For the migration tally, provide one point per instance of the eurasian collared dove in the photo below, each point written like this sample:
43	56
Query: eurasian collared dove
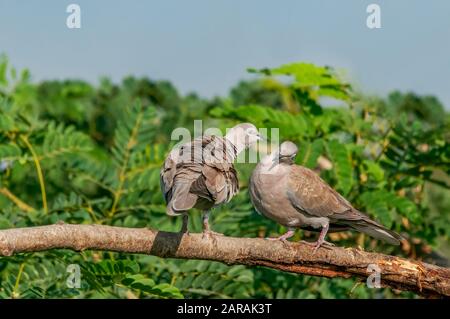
200	174
296	197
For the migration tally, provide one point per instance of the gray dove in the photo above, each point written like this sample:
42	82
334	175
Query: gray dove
296	197
200	174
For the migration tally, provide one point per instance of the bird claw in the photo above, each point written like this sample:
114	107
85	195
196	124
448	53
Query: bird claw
273	238
211	234
316	247
283	240
328	244
325	244
285	243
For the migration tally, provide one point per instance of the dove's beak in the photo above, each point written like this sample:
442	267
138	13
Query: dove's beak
262	138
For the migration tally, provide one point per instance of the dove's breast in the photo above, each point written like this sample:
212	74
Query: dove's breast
268	195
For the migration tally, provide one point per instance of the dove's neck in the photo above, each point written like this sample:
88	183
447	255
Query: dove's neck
271	165
267	161
267	166
237	140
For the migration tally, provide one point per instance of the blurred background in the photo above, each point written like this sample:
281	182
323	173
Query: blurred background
86	117
205	46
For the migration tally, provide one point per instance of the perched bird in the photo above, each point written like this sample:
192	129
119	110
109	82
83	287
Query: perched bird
200	174
296	197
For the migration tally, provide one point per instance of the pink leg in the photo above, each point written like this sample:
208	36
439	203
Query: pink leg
285	236
206	229
321	240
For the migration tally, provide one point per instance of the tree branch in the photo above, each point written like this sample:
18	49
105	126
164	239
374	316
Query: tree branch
398	273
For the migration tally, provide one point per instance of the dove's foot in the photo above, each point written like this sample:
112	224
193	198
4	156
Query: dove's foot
186	232
317	244
324	244
207	233
276	238
321	242
284	241
283	238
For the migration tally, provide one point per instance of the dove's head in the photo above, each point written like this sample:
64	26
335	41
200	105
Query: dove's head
243	136
285	154
288	150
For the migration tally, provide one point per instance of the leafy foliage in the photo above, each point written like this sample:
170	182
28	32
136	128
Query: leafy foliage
78	153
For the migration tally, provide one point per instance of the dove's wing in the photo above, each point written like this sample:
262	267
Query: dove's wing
311	195
201	168
218	181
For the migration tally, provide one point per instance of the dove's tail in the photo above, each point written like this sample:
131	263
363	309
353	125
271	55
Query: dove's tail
181	200
375	230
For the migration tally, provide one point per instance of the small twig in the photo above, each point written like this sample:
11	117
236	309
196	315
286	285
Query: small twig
122	173
19	203
38	170
15	293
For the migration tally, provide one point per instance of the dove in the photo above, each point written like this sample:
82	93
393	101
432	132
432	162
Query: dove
200	174
296	197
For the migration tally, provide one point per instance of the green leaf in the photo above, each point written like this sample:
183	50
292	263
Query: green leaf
290	125
306	75
341	158
310	152
377	204
374	169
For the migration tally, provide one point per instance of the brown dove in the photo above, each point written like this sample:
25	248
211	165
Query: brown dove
200	174
296	197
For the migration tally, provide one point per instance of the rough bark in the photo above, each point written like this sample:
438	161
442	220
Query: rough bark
398	273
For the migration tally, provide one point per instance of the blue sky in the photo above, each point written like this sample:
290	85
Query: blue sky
206	46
